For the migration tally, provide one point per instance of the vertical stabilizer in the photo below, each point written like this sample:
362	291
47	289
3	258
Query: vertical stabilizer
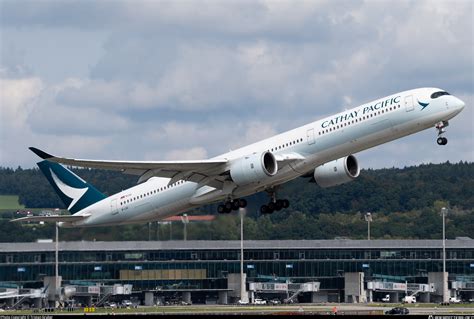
75	192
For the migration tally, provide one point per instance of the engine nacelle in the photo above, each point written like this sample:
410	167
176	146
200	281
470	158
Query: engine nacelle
253	168
337	172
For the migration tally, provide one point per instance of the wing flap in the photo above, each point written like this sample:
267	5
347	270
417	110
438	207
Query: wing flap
63	218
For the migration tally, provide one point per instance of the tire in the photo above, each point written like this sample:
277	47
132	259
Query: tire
221	209
264	209
440	140
235	205
445	141
242	203
271	206
228	206
278	205
286	203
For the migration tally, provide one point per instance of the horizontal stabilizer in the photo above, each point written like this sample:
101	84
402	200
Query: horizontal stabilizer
52	219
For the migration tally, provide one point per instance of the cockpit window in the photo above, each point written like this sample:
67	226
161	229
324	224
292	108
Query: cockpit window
438	94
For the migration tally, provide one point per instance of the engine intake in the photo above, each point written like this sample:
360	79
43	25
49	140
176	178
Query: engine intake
337	172
253	168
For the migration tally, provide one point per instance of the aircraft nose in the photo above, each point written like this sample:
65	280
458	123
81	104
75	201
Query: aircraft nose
460	104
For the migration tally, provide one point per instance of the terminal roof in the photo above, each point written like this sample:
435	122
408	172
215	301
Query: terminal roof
459	243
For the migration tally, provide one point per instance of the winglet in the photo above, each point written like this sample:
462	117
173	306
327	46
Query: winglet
40	153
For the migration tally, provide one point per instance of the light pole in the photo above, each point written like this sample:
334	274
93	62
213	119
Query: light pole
56	267
243	296
444	211
185	220
368	219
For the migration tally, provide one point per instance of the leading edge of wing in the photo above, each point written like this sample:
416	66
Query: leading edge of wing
67	218
190	165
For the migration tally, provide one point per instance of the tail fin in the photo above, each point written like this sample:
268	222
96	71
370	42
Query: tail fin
76	193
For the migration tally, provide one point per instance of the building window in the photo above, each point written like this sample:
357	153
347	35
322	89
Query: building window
276	255
301	255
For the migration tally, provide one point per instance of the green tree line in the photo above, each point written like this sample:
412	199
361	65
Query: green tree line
405	203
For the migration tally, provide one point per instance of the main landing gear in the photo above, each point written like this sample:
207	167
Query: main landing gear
274	205
441	127
231	205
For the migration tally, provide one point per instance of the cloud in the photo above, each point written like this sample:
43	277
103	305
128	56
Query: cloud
162	80
186	154
17	98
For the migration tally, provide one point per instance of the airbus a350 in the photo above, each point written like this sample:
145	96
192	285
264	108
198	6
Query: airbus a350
322	150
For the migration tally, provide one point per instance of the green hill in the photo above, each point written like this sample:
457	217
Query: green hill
405	203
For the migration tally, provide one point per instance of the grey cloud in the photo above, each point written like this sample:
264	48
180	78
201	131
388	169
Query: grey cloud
172	76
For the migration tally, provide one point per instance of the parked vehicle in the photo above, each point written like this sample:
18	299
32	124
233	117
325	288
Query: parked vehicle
386	298
258	301
275	301
110	304
126	303
409	299
454	300
397	311
242	302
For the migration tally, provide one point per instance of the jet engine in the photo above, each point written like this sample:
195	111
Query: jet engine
337	172
253	168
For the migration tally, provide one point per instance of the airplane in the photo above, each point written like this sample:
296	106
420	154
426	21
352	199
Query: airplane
322	151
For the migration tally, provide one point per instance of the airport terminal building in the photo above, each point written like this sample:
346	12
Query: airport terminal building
209	271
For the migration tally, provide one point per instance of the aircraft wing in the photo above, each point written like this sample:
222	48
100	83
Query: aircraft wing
200	171
59	218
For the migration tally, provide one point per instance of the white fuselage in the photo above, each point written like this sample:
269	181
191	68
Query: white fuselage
319	142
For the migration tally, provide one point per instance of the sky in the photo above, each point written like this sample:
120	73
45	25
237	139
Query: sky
177	80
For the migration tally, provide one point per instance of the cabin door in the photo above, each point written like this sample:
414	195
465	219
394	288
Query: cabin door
113	207
409	103
310	136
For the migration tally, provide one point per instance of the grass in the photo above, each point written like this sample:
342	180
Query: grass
233	309
10	202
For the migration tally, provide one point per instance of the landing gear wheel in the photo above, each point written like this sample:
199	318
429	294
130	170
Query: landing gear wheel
278	205
264	209
271	206
221	209
235	205
286	203
442	140
228	207
242	203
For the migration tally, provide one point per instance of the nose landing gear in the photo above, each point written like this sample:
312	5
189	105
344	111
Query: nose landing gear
441	127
